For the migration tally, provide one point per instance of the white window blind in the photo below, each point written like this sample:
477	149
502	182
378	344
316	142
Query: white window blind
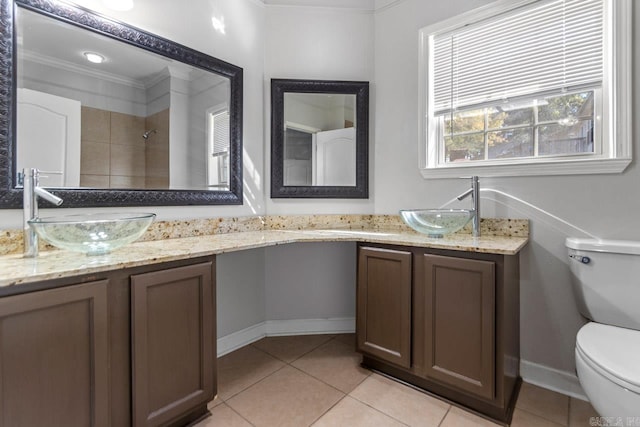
221	132
547	46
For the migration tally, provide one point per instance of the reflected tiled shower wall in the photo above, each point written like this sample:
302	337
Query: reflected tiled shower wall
157	151
114	153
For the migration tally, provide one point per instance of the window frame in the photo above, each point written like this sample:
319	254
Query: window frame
615	123
534	126
210	114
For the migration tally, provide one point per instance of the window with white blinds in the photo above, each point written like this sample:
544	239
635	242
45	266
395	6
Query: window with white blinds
549	46
220	125
218	155
516	85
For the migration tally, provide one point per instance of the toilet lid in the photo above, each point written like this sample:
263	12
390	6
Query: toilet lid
614	351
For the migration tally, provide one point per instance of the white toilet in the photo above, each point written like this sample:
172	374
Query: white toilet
606	282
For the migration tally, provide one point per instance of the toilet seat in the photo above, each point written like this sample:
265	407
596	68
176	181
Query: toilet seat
613	352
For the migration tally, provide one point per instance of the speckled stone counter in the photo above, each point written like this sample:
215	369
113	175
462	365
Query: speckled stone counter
508	238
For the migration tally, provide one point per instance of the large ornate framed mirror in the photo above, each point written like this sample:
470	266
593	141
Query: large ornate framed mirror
319	139
156	123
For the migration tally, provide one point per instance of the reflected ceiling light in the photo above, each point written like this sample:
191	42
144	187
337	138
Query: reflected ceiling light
218	24
96	58
119	5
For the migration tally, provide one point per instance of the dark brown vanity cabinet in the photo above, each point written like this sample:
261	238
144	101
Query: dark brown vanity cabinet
54	367
172	343
129	347
455	315
445	321
384	304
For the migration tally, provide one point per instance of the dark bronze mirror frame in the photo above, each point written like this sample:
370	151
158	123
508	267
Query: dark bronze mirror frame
11	195
361	90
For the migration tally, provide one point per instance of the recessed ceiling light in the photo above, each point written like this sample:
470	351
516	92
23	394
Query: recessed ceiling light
119	5
96	58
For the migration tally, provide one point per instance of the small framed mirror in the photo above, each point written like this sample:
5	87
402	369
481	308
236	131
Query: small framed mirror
319	139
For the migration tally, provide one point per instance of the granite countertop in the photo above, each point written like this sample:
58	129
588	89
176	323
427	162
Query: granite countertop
53	264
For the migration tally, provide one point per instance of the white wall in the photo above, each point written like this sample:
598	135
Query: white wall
602	205
158	95
242	45
240	290
319	44
89	90
206	92
300	42
180	142
310	281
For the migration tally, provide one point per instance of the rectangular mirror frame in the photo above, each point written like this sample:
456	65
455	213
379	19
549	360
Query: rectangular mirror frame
11	194
361	90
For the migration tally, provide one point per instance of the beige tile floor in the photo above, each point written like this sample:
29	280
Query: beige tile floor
316	380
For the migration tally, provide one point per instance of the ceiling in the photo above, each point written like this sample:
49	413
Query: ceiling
347	4
50	41
371	5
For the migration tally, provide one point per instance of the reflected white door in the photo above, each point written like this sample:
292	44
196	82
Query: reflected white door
48	137
335	157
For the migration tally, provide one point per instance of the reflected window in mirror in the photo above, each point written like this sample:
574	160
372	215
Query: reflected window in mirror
218	154
151	123
319	139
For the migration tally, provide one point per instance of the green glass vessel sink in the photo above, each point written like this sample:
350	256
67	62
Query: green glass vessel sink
92	234
436	222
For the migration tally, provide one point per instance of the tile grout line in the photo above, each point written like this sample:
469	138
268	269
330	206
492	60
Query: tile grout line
321	380
539	416
252	384
330	408
376	409
239	414
308	373
317	379
284	361
290	364
445	415
344	395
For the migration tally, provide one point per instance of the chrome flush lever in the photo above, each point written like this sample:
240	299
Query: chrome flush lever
580	258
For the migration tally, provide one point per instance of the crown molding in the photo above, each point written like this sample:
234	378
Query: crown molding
75	68
362	6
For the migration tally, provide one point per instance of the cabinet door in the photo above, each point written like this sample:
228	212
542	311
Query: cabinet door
172	327
384	304
53	357
459	322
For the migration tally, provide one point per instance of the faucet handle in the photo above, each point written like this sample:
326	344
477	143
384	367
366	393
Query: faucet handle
28	176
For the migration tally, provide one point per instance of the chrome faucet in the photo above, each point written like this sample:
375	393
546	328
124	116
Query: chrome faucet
31	191
474	191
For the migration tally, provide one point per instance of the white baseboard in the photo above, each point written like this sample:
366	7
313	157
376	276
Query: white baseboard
341	325
553	379
246	336
239	339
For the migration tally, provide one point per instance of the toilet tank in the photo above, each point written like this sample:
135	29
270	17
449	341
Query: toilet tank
606	280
